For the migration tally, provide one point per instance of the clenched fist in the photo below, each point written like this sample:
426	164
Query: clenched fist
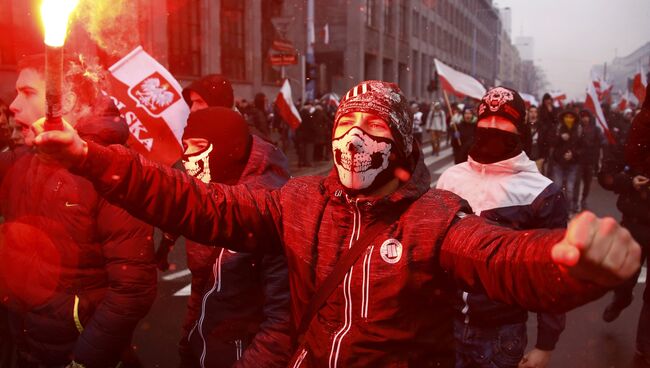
598	250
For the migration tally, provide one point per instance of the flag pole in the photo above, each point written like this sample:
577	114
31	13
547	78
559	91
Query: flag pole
451	114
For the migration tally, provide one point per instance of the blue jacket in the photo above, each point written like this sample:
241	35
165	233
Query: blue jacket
514	194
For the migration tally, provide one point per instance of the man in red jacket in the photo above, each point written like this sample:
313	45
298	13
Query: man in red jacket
392	306
76	272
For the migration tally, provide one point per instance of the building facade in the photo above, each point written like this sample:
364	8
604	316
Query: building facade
397	41
393	40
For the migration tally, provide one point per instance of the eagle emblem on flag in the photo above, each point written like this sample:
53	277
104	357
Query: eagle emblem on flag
154	94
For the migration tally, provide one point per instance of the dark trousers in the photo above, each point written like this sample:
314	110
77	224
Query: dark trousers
584	177
489	347
623	293
7	353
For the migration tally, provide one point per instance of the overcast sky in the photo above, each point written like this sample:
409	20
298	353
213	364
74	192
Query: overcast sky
572	35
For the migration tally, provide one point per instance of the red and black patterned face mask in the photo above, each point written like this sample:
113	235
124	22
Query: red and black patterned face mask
363	161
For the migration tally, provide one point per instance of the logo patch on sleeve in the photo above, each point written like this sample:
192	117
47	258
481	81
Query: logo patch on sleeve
391	251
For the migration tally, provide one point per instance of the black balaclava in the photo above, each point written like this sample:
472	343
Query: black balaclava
365	162
493	145
230	142
214	89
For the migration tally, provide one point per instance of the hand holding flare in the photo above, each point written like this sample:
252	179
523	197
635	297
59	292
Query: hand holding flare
54	14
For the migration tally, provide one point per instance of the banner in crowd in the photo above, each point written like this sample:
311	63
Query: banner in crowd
286	108
529	100
150	100
639	84
602	87
592	104
623	102
459	83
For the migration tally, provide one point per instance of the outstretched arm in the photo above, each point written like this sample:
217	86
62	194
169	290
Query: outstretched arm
168	198
541	270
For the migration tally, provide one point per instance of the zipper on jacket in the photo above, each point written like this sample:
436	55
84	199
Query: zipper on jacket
347	292
365	286
238	348
466	307
75	315
189	336
216	270
301	357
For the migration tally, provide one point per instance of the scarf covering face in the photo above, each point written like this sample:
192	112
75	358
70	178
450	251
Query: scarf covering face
493	145
387	102
362	160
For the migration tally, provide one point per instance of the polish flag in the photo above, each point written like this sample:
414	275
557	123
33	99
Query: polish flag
149	98
558	98
285	105
529	99
459	83
602	87
639	84
623	102
592	104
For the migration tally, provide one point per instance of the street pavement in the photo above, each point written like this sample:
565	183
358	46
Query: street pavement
586	342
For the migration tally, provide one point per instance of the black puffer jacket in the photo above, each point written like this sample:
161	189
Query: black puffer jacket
76	272
238	311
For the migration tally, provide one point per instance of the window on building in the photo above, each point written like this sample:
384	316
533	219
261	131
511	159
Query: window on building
184	34
388	17
371	13
415	20
7	49
233	56
270	9
403	26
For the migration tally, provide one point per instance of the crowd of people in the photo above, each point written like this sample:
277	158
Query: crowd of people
365	267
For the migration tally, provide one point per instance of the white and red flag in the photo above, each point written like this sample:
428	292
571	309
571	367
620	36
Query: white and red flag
602	87
529	99
623	102
558	98
639	84
592	104
285	105
459	83
149	98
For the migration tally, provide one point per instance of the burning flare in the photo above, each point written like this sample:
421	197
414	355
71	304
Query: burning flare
55	15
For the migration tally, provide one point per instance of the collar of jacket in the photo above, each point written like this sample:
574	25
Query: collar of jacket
407	192
513	165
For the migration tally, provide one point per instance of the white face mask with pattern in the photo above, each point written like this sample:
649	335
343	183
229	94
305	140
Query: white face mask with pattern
198	164
360	157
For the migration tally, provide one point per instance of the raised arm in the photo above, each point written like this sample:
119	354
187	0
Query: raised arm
233	217
541	270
